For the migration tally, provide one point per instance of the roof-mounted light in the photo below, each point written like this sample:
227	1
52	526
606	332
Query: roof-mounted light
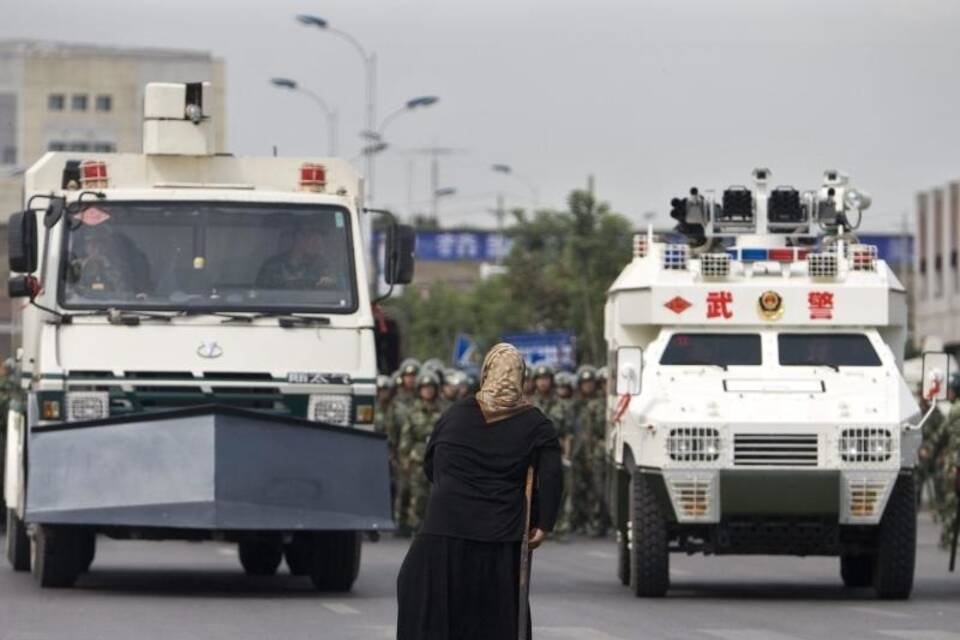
863	257
714	266
675	257
313	177
640	248
93	174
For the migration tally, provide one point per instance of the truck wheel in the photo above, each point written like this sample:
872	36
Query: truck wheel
298	554
260	556
17	542
623	557
57	555
336	560
649	555
897	543
856	571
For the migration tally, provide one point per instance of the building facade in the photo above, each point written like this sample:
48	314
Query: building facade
937	282
77	97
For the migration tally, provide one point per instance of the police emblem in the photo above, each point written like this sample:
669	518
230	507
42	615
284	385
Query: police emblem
770	306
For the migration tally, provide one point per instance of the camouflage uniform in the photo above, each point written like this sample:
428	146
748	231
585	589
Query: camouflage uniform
947	509
403	403
930	465
414	436
563	415
589	468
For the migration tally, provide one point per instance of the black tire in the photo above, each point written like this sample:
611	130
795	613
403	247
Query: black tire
649	554
17	542
897	543
857	571
57	555
298	554
623	558
260	556
336	560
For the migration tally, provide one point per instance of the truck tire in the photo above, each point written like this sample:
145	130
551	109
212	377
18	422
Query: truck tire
623	558
57	555
649	554
260	556
857	570
897	543
336	560
17	542
298	554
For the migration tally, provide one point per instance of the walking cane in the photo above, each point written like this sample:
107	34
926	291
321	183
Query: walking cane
524	619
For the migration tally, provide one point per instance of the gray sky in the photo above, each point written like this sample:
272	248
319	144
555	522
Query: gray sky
649	96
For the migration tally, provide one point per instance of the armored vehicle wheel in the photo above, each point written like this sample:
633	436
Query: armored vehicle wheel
58	554
261	555
649	555
17	542
623	558
897	542
336	560
298	554
857	571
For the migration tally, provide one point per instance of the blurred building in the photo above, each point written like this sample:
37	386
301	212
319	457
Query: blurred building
78	97
937	283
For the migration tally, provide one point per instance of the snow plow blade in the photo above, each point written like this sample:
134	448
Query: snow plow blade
210	467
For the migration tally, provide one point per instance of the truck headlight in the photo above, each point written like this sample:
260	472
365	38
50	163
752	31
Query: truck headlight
693	444
330	408
866	445
87	405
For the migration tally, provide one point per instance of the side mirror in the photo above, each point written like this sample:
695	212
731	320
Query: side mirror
936	376
22	242
23	287
400	248
629	370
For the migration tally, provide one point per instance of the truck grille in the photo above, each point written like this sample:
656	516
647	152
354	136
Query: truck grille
775	450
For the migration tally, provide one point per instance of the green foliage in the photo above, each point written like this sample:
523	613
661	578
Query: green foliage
558	272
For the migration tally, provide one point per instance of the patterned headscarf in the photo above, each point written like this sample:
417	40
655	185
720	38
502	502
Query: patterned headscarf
501	384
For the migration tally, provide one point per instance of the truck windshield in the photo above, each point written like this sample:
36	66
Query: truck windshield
831	350
719	349
201	256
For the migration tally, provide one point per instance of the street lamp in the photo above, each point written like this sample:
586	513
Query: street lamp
330	114
507	170
420	102
370	69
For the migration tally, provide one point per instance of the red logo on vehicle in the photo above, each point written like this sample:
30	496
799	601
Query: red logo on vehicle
718	304
821	305
677	304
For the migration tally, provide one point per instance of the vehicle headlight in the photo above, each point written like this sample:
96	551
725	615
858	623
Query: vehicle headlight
866	445
330	409
693	444
87	405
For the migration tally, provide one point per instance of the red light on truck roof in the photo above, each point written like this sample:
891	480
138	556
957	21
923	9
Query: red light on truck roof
313	177
93	174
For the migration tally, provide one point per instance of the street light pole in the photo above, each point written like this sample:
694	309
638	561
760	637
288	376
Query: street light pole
508	170
329	114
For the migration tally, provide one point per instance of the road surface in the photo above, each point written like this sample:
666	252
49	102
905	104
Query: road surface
170	591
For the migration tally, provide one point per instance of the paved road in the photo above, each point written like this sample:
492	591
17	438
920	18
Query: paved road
178	590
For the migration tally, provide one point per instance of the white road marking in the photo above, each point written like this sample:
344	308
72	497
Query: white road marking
928	634
878	611
600	554
747	634
339	607
573	633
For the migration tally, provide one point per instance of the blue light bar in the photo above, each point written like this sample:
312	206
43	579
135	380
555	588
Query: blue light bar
753	255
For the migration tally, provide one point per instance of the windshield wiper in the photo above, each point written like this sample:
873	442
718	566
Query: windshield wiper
127	318
286	320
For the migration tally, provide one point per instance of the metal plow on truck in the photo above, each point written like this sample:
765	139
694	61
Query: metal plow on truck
280	487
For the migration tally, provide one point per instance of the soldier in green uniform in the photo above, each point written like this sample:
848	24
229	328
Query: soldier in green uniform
403	403
563	415
590	513
931	463
450	390
543	396
946	468
383	422
528	386
414	436
303	266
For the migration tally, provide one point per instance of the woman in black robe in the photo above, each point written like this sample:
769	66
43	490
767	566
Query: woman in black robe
460	578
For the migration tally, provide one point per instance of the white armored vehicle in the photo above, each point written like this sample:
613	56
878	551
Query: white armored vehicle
759	406
198	354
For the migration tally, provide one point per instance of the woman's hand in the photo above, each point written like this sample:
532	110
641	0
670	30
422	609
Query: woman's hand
537	536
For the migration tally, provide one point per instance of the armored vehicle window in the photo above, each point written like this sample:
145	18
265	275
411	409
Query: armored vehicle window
209	256
720	349
831	350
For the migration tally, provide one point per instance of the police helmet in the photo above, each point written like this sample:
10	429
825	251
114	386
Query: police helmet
427	378
586	373
565	379
542	371
410	366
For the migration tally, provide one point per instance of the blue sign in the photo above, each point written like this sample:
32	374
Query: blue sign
557	348
459	246
464	351
895	249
